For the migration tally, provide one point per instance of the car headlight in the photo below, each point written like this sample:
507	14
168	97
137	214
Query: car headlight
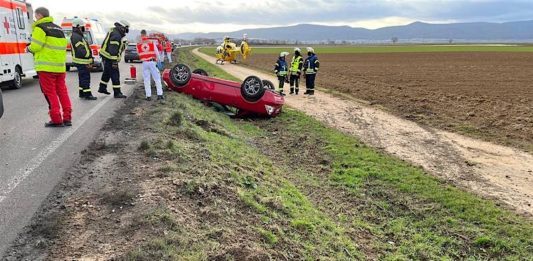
269	109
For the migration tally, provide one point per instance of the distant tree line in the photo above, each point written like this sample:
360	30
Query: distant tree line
269	42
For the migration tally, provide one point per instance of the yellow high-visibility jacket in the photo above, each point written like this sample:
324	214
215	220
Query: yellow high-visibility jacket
49	46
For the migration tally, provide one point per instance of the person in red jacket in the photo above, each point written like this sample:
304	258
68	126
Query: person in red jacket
168	51
160	56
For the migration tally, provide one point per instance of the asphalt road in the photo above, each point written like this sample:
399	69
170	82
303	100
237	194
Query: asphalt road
33	159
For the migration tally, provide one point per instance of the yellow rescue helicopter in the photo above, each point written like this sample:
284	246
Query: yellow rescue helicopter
228	50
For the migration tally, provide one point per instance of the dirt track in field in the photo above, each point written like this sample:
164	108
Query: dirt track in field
490	170
482	95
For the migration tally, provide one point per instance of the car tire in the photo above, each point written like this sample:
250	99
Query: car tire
200	72
16	83
269	85
180	75
252	89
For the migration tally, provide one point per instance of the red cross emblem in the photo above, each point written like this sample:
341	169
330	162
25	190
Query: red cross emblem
145	47
7	25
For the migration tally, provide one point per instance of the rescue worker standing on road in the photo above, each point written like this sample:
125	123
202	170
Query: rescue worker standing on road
82	57
168	50
281	70
148	53
311	66
296	71
49	48
112	48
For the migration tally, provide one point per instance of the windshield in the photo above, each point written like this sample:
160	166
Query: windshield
68	34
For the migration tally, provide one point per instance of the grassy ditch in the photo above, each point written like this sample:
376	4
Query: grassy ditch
310	192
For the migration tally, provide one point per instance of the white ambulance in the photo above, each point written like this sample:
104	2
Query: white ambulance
16	17
94	34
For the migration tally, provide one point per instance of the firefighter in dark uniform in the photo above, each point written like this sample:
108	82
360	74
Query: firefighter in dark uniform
82	57
311	66
281	69
296	71
111	51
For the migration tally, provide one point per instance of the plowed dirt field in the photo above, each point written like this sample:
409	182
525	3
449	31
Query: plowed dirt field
484	95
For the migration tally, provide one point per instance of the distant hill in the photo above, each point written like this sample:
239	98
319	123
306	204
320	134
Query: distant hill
418	31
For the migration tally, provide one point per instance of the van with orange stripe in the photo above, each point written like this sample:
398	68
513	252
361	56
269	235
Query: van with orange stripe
94	34
15	32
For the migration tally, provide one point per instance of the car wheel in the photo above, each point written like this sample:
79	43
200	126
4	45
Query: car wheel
252	89
268	85
200	72
17	79
180	75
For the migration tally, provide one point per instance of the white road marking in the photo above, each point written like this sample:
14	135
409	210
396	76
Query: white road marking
34	163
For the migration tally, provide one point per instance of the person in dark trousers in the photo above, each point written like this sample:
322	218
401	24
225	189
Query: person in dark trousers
49	48
296	71
281	70
111	50
311	66
82	57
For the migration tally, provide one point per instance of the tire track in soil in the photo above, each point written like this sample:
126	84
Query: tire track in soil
489	170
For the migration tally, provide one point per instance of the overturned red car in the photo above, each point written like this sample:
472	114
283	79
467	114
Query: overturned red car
252	97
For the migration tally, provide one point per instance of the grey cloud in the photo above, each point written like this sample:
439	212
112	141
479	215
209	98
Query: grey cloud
323	11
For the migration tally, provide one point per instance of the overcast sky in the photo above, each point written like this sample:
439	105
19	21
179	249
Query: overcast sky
178	16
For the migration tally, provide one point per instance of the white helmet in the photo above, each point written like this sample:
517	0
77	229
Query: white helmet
297	50
310	50
123	23
78	22
283	54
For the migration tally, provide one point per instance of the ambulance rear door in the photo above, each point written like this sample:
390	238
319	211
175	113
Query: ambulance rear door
22	33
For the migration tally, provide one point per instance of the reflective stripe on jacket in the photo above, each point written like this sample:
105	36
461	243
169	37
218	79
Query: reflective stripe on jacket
81	51
49	46
296	65
112	46
280	68
311	64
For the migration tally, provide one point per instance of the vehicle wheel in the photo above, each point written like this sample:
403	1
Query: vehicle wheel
17	79
252	89
180	75
68	68
200	72
268	85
